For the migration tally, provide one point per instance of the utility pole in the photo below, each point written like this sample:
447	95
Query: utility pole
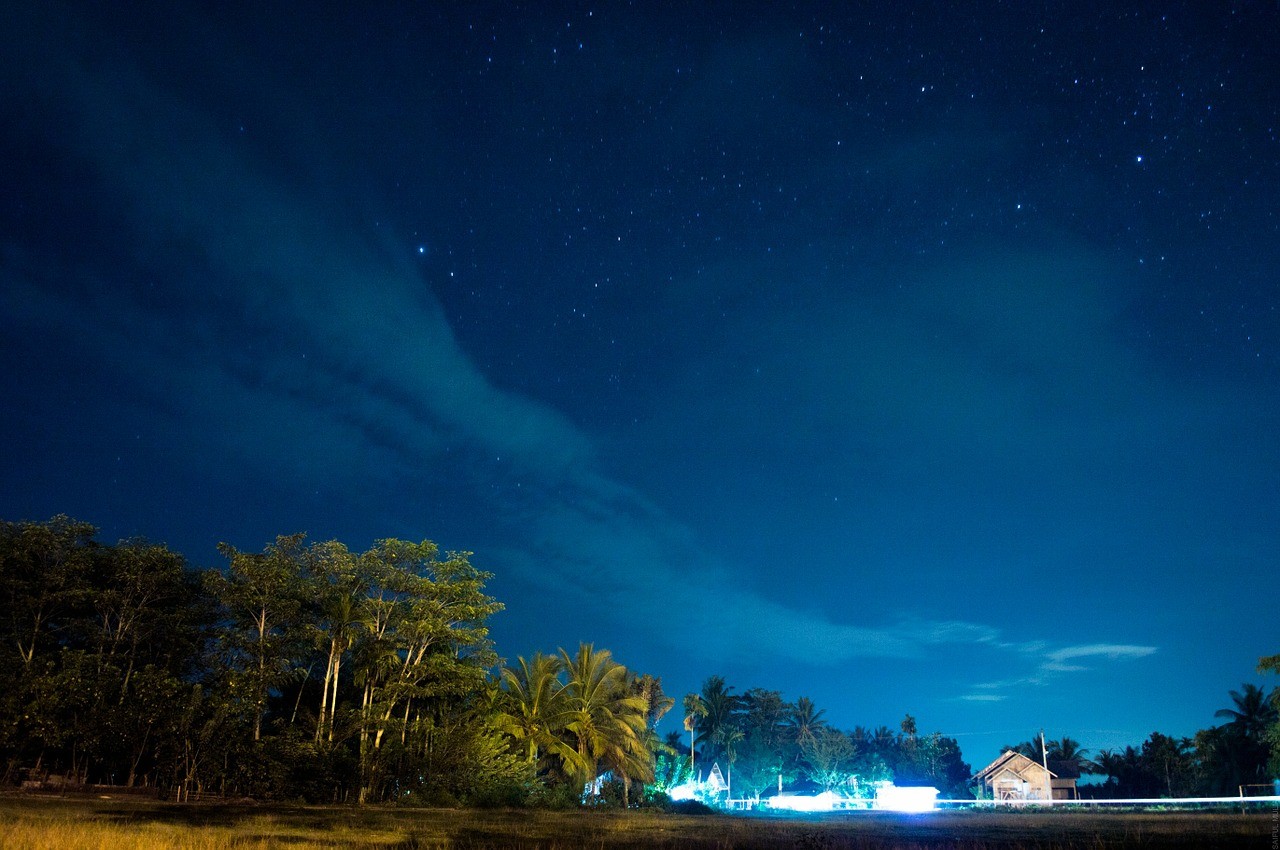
1044	760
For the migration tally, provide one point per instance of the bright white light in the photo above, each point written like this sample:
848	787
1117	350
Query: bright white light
824	802
894	799
681	792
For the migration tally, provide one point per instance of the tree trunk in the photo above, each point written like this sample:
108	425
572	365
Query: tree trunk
324	690
333	702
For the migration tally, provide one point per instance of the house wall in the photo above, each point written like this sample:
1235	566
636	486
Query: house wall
1065	789
1036	787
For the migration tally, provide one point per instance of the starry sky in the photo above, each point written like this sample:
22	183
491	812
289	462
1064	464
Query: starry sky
910	357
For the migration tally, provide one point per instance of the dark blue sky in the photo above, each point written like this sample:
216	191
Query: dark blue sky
914	360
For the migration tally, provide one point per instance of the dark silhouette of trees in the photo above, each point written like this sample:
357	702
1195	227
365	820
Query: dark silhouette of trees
310	671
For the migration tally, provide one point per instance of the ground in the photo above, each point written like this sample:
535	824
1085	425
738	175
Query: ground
104	821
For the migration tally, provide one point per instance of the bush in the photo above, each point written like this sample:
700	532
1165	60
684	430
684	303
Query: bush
556	796
652	798
690	807
500	795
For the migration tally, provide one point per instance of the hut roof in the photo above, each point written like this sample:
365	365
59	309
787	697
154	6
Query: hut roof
1014	761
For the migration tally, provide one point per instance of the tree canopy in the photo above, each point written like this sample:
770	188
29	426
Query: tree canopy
308	670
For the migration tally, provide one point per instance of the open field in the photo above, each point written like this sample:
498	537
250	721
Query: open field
70	823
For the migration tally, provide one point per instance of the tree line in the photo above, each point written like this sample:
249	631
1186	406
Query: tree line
307	671
1217	761
310	671
303	671
762	743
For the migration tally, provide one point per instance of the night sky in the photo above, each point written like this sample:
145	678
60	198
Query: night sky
910	357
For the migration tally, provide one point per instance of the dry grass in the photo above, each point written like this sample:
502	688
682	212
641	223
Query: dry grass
33	823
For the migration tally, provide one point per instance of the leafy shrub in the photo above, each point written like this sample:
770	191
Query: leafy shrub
690	807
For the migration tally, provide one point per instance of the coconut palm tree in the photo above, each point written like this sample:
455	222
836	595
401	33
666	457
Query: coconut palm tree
650	687
1123	769
1244	741
729	739
659	703
694	709
1068	751
723	708
605	718
804	720
536	711
1252	714
883	741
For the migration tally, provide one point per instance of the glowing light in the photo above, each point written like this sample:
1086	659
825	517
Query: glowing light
682	792
825	802
894	799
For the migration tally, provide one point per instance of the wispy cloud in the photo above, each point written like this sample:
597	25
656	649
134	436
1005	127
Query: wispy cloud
1050	664
1059	660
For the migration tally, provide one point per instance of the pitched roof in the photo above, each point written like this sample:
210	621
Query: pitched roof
1014	761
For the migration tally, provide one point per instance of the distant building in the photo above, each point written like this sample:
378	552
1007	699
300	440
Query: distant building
1016	778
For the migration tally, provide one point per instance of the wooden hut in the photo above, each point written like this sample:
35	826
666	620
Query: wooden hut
1015	778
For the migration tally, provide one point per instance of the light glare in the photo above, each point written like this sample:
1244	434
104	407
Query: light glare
894	799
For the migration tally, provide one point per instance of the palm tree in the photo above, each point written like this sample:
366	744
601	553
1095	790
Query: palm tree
805	720
657	701
1245	743
1123	769
536	711
723	708
607	720
883	742
1069	752
1168	759
1252	714
658	704
694	708
729	737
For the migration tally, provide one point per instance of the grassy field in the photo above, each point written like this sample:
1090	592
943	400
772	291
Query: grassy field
67	823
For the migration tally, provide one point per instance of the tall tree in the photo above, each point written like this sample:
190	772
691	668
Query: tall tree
766	757
650	689
607	719
424	636
1251	712
536	712
804	720
722	710
1068	752
1244	743
263	598
1167	763
694	710
1128	773
827	754
44	568
340	589
1271	664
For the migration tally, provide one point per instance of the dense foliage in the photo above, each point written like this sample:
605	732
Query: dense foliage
308	671
305	670
762	743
